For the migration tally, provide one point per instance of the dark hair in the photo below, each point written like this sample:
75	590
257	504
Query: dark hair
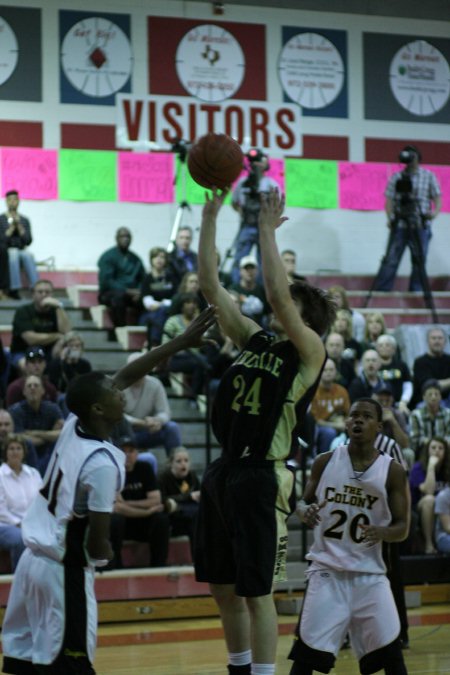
423	457
318	310
43	281
10	193
415	149
188	297
83	392
14	438
156	250
430	384
372	401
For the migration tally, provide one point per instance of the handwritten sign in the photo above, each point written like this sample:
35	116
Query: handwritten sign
362	186
87	175
311	183
30	171
146	177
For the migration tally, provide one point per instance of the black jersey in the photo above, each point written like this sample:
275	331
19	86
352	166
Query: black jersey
254	410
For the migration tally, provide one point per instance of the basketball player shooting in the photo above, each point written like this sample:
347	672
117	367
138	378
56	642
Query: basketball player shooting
242	536
355	499
50	624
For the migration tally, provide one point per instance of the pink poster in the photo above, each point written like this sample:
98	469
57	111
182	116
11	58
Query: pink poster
146	177
362	185
442	173
30	171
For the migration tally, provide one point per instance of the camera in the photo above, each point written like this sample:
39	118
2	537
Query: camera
181	147
255	155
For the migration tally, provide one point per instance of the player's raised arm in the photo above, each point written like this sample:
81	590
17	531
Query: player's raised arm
238	327
291	314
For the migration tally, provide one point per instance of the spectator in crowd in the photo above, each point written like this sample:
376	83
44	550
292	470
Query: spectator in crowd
428	477
289	260
7	428
191	362
19	484
67	361
35	364
189	284
5	368
395	371
147	409
157	290
343	325
430	420
120	277
395	422
40	421
4	271
442	514
339	295
246	200
41	322
369	381
182	258
180	489
410	223
15	231
345	363
434	365
330	407
251	293
375	326
138	511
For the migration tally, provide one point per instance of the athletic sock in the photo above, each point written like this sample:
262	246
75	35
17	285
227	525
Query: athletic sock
240	658
263	669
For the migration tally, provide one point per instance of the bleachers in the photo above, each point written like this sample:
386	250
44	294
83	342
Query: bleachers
406	316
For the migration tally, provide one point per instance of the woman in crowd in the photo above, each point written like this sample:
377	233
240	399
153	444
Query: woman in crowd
427	478
180	490
157	290
344	326
189	284
375	326
339	295
19	484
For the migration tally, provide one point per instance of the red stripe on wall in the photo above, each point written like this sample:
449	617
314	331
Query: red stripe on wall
325	147
21	134
387	150
88	136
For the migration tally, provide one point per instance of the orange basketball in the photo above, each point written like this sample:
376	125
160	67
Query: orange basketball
215	160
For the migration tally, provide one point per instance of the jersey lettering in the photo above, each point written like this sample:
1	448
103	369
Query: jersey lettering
265	361
50	492
351	495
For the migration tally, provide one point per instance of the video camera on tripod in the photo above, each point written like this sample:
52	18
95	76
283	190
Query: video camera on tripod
407	207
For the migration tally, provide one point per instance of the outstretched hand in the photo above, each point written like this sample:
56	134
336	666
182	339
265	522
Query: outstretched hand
193	335
214	202
272	206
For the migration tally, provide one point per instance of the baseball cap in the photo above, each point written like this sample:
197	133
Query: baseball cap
430	384
385	388
248	260
35	352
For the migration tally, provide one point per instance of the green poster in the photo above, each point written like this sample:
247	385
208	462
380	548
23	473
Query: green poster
88	175
311	183
187	190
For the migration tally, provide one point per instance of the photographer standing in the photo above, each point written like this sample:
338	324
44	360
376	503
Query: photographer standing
246	200
409	197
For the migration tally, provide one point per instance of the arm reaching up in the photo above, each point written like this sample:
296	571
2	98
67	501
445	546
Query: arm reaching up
192	337
238	327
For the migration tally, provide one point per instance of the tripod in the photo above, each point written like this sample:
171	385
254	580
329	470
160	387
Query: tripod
412	224
183	205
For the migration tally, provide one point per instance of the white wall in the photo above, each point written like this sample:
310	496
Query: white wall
353	242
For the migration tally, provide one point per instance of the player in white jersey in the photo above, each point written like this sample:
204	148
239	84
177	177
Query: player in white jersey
356	498
50	623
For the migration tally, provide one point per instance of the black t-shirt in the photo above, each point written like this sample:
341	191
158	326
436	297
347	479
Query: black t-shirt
395	373
28	318
139	482
428	367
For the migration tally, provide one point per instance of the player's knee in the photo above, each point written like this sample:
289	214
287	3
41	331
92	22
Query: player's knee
387	658
311	658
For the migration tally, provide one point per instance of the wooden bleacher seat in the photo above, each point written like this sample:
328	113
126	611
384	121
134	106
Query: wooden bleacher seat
135	553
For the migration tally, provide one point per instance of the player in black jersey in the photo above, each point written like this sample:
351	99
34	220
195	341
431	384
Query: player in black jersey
242	537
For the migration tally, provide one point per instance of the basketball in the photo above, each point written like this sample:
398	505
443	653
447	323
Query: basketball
215	160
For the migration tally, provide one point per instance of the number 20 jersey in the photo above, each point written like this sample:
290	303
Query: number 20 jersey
351	499
254	412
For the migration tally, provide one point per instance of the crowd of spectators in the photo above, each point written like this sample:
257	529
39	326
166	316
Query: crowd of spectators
364	359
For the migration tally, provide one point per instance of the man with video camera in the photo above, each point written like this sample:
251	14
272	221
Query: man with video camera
246	200
410	195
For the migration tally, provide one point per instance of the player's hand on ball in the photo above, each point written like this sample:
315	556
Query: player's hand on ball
214	202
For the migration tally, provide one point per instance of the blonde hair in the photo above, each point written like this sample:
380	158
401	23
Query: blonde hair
344	314
374	316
